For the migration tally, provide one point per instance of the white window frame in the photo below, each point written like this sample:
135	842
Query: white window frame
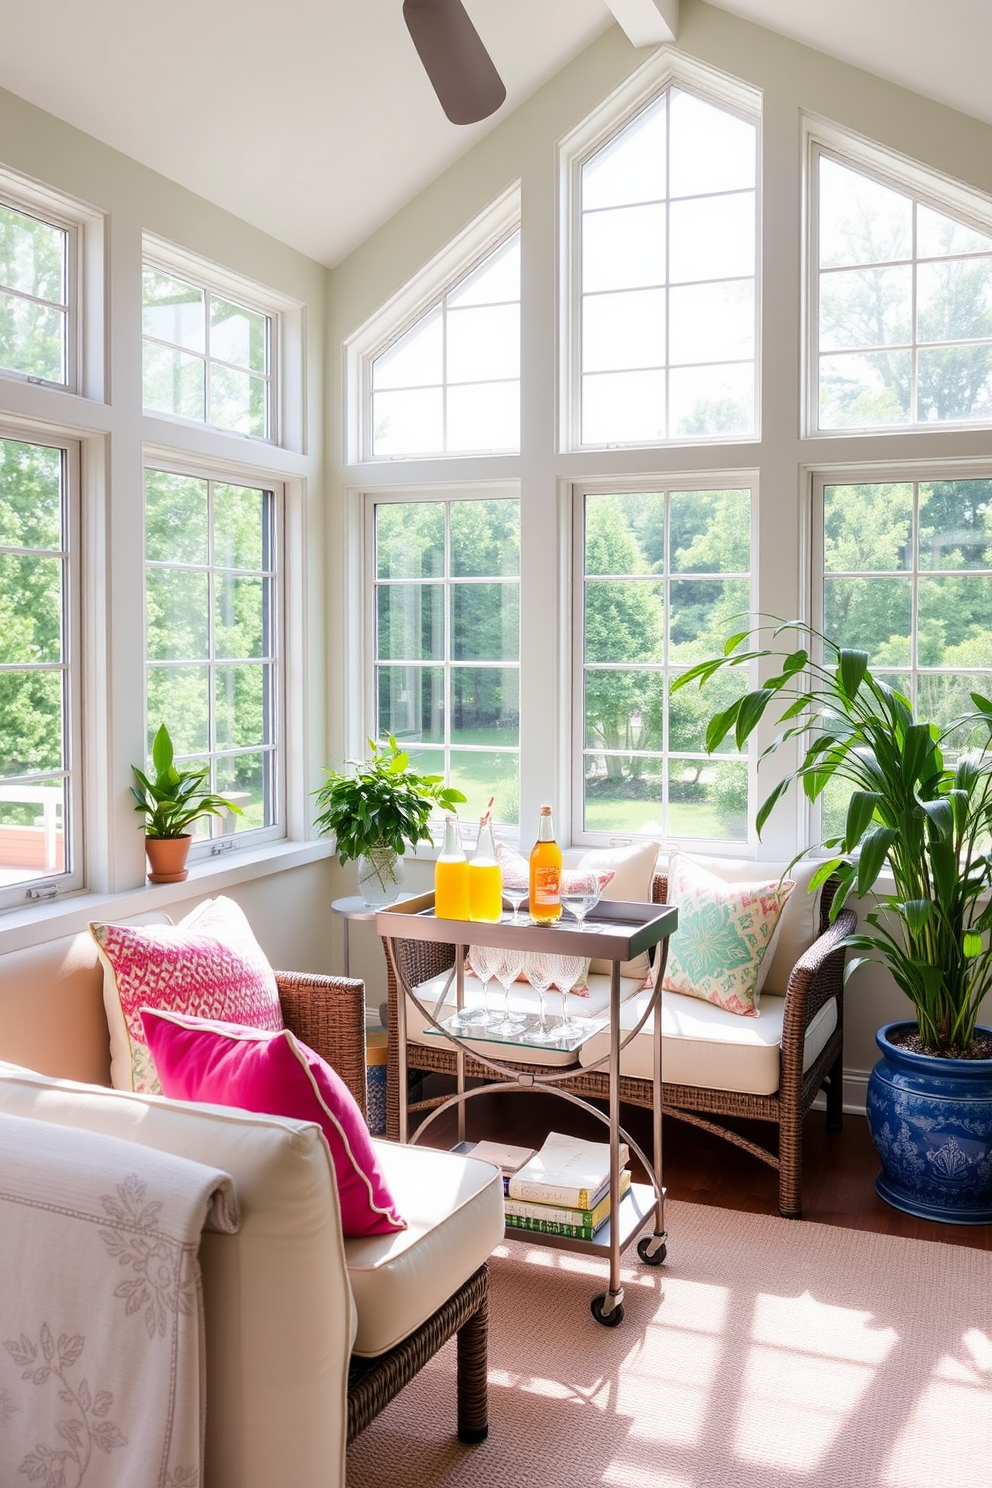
84	281
709	480
221	472
371	497
666	69
464	253
286	383
926	185
48	884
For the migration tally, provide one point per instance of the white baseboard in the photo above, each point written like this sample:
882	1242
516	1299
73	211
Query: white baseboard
855	1093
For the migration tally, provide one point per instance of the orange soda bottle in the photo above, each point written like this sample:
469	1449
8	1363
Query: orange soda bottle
451	876
545	873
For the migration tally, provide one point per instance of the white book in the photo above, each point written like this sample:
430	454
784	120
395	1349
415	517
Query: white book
565	1170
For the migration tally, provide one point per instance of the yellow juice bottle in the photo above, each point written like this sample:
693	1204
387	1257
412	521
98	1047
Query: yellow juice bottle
485	880
545	873
451	876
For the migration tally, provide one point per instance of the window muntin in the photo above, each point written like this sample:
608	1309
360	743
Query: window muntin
212	636
663	576
666	281
38	736
206	357
906	575
450	384
903	307
34	296
446	623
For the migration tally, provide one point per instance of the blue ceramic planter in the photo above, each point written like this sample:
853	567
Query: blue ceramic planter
931	1122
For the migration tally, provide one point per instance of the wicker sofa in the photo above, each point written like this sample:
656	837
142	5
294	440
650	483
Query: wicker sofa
723	1067
296	1315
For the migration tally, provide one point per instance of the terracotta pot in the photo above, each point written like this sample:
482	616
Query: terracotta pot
167	858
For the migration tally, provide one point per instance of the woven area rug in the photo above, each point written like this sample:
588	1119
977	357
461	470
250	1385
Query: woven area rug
764	1352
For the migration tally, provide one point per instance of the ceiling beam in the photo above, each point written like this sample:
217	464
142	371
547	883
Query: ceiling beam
647	22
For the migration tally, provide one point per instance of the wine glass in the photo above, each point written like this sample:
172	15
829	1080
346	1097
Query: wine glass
580	892
508	968
539	975
516	890
565	972
485	960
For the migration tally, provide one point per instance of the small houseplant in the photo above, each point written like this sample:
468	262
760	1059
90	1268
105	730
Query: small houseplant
171	801
925	816
375	807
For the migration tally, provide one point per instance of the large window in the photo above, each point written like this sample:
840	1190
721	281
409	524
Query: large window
662	577
666	278
34	296
39	743
450	384
904	304
212	639
446	625
207	356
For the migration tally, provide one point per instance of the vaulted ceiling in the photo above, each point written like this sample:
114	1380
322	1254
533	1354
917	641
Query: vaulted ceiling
314	120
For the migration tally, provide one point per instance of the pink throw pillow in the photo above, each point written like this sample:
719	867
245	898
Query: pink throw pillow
276	1075
209	964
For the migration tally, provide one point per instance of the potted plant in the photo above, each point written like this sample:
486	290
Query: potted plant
375	807
171	802
920	812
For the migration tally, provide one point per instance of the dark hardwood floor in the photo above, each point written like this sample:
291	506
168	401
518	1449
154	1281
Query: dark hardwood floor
839	1168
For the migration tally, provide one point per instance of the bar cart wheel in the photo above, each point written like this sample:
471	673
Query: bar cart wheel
609	1319
652	1249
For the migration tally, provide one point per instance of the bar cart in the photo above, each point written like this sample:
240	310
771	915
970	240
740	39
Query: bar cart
612	931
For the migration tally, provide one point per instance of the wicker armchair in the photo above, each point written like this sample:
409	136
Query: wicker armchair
816	978
328	1013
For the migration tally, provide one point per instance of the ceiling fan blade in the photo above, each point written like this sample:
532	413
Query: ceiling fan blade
461	71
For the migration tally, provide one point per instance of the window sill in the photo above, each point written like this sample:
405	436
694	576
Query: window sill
46	919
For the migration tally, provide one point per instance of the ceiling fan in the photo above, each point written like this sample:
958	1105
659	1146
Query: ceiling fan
461	71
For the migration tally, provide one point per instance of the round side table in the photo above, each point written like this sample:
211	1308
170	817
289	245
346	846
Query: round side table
352	908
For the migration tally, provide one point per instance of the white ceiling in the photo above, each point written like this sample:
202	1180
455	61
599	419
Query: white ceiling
313	119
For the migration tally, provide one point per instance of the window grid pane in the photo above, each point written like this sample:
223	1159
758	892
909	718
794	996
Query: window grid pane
450	384
212	636
658	593
34	297
206	358
667	265
35	752
447	643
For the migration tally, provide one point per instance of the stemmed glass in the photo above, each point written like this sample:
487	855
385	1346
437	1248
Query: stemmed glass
485	960
565	972
539	975
508	968
516	891
580	892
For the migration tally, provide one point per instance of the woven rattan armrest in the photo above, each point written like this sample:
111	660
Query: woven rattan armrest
328	1014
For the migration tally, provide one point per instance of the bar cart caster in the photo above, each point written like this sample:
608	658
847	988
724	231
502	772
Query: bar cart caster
652	1249
607	1308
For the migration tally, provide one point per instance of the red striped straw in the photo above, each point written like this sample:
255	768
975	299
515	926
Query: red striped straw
489	807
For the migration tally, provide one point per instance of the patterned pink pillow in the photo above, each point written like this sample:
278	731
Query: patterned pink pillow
275	1074
210	964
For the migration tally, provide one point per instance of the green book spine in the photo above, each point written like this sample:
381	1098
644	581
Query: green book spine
551	1227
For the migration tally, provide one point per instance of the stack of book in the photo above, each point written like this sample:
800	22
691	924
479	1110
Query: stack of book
564	1188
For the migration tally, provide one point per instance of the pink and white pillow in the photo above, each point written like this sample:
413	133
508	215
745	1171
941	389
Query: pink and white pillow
210	965
198	1059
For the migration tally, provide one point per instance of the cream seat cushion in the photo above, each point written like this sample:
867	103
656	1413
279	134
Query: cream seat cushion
705	1046
523	999
453	1206
275	1293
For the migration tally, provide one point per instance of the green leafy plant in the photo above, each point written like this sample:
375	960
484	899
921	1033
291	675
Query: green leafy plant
381	803
913	806
175	798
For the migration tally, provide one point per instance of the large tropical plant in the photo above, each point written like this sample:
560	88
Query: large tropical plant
380	804
916	807
173	799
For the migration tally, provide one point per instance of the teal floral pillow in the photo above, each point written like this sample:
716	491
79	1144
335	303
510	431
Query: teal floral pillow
726	937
